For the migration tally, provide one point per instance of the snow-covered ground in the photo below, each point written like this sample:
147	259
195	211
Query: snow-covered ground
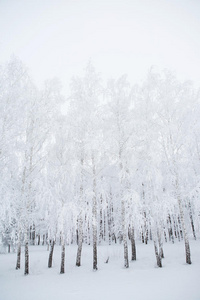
142	281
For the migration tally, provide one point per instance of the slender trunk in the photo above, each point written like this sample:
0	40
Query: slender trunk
171	234
191	220
18	252
142	235
101	234
104	226
18	264
112	222
180	227
62	267
150	234
146	236
94	218
52	243
80	240
175	228
177	231
182	219
124	234
133	248
158	257
161	252
94	252
43	239
32	235
109	224
145	229
165	235
123	215
80	221
26	270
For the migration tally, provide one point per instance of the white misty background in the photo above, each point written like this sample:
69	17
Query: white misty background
99	128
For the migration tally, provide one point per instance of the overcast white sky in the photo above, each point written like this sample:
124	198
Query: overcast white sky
57	38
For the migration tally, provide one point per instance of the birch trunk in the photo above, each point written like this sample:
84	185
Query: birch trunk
182	219
160	243
123	216
18	264
52	243
109	224
26	270
158	257
80	240
94	218
133	247
62	267
191	220
80	222
170	230
101	227
126	263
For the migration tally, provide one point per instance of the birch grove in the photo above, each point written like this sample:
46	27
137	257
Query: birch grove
108	163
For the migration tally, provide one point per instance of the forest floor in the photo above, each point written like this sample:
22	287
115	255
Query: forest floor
142	281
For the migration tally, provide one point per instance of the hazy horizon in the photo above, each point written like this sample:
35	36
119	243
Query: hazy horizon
57	38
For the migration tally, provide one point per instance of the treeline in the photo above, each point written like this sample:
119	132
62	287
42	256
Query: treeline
108	163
